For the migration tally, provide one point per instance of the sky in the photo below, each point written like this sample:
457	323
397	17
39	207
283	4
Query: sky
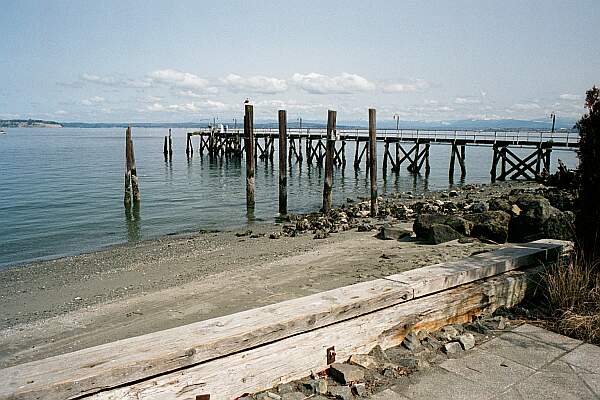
176	61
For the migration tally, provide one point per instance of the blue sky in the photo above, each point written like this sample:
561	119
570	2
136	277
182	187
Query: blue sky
157	61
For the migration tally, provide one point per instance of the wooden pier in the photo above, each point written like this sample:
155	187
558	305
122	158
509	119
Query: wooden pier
409	147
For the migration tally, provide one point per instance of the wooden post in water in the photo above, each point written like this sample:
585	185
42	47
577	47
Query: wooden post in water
170	145
132	188
328	183
373	159
282	162
249	137
166	148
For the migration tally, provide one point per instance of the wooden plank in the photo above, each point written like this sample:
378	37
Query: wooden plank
295	357
113	364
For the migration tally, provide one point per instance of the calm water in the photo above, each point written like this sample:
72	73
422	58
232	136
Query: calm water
61	190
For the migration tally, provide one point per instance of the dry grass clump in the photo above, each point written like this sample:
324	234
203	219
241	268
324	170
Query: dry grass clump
573	292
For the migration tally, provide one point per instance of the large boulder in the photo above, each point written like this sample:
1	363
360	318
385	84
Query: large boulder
535	210
560	225
459	224
561	199
500	204
390	232
440	233
423	222
492	225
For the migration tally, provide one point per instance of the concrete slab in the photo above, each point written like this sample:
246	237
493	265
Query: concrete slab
523	350
388	394
585	357
542	335
438	383
552	385
494	373
593	382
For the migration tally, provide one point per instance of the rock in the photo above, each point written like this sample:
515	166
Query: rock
321	234
379	354
452	348
535	210
285	388
340	392
411	342
561	199
500	204
316	386
346	373
268	396
275	235
411	363
560	225
442	233
459	224
515	210
467	341
492	225
453	193
363	213
431	343
423	222
302	225
388	232
293	396
364	360
365	227
501	323
242	234
479	207
359	389
449	332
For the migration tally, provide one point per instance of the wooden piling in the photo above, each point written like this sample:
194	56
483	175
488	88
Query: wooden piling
249	137
282	162
132	188
170	145
328	183
166	147
373	159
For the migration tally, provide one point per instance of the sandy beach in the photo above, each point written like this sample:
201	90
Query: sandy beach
63	305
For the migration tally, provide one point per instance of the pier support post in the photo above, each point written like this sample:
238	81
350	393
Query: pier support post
282	162
132	188
249	137
166	148
373	160
328	182
170	146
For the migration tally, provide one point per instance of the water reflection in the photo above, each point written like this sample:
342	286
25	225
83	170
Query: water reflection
132	222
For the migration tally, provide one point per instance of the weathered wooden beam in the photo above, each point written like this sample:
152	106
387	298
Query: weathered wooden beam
282	162
328	181
295	357
373	156
249	137
141	358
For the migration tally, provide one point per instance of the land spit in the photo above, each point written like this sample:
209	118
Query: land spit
59	306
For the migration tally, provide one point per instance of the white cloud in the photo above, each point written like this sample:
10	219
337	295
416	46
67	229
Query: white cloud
258	84
61	112
341	84
179	79
192	107
526	106
466	100
415	86
93	100
571	97
101	80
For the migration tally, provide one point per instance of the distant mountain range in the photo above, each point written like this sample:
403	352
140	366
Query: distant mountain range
499	124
